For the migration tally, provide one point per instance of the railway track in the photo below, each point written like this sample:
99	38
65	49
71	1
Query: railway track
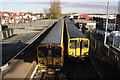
80	70
71	71
55	75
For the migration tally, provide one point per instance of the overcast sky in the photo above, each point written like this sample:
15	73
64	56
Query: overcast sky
61	0
78	6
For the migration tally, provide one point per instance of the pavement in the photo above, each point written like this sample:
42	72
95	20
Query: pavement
23	65
11	46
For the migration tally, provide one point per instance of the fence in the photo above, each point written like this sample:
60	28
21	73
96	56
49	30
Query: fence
6	33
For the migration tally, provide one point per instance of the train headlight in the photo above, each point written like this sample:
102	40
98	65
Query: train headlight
41	62
58	62
71	53
86	53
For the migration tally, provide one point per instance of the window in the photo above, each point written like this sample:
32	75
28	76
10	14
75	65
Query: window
72	44
57	52
85	44
90	26
77	43
42	51
49	52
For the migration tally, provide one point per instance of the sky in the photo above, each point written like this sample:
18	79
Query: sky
68	6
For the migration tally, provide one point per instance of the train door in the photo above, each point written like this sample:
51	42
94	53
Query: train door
78	51
54	55
45	56
75	47
72	49
49	58
84	48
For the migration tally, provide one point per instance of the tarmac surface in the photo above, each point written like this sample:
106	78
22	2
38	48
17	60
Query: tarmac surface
22	66
11	46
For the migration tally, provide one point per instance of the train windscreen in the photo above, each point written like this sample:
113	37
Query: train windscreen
49	52
42	52
85	44
76	44
72	44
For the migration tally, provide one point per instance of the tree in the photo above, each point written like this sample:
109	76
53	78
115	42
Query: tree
47	12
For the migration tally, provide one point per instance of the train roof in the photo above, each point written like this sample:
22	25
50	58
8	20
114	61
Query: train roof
55	35
73	31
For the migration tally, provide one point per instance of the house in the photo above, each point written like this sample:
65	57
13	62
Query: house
28	15
12	20
5	17
5	21
80	16
44	16
11	17
34	17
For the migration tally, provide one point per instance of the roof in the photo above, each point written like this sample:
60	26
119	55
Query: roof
54	36
1	13
73	31
84	21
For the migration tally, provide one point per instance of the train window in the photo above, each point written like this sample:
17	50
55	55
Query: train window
57	52
42	52
85	44
78	44
90	26
72	44
50	52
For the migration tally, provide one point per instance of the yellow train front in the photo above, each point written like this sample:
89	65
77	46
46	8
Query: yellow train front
50	50
78	44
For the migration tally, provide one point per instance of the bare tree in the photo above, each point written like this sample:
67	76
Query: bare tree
55	9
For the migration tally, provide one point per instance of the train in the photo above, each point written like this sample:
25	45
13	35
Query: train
78	44
50	51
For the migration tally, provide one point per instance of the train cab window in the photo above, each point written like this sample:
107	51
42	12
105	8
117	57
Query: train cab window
50	52
77	43
42	52
85	44
72	44
56	52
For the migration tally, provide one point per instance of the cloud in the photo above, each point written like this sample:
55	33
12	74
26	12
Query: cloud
60	0
87	6
95	6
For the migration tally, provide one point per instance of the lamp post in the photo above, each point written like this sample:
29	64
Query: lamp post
106	22
0	47
115	22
